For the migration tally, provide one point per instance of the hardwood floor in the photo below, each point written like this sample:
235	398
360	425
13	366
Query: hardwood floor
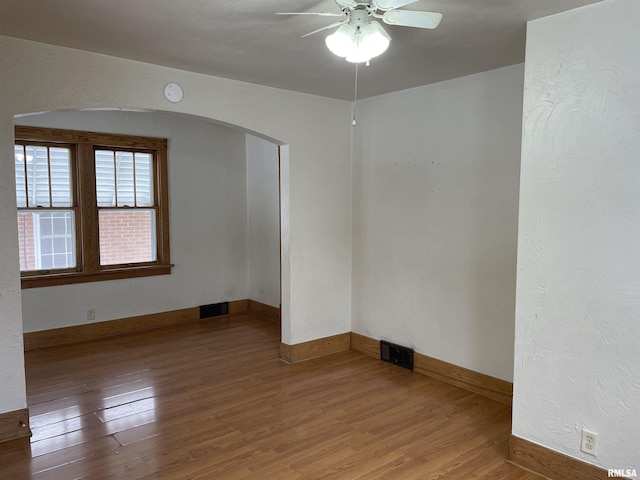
211	400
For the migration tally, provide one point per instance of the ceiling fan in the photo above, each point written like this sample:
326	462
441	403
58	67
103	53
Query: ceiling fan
359	36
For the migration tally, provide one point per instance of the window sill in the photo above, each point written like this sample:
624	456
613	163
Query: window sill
50	280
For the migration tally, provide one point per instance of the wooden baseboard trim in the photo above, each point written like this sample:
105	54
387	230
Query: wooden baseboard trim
110	328
475	382
93	331
368	346
321	347
470	380
238	306
14	427
264	311
549	463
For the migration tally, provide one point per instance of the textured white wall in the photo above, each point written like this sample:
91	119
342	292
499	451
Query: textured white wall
264	221
12	393
207	212
435	219
578	289
318	278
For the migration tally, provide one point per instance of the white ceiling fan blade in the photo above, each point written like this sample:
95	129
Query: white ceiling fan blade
320	14
347	3
391	4
410	18
325	28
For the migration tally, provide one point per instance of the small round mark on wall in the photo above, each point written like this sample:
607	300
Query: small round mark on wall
173	92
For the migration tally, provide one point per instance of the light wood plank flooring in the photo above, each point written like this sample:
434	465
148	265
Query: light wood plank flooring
212	401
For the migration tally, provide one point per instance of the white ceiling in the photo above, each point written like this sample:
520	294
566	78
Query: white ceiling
245	40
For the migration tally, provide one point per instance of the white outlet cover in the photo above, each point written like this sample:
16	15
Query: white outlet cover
173	92
589	442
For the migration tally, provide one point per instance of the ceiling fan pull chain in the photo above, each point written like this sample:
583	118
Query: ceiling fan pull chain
355	98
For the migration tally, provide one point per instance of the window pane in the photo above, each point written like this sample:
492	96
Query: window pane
105	178
26	240
21	191
124	179
144	186
124	174
46	240
46	248
59	226
37	159
127	236
60	177
46	228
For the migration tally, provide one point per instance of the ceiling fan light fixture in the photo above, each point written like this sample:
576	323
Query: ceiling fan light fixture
373	40
343	41
358	44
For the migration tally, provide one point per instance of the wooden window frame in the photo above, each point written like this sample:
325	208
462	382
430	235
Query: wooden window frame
83	144
74	200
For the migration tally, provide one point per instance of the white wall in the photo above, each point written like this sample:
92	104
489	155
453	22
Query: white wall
207	214
435	219
12	393
263	221
578	290
318	276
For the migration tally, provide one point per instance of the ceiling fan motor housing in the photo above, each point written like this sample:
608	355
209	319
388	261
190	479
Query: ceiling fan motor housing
359	17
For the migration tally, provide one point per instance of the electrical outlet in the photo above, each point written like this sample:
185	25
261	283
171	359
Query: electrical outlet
588	442
91	314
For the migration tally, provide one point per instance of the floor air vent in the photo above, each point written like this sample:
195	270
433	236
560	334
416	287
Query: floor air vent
214	310
396	354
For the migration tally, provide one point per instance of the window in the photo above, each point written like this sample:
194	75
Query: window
46	207
126	214
91	206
